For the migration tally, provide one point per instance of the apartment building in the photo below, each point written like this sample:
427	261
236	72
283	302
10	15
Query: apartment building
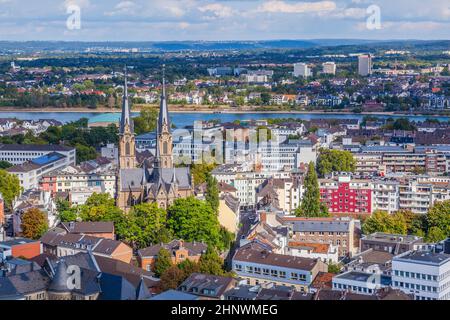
385	195
365	65
420	196
426	274
369	164
429	162
302	70
345	195
245	181
329	68
284	194
257	265
81	183
339	232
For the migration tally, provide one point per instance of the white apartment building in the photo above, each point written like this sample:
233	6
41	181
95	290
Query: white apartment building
302	70
288	193
78	182
423	273
21	153
329	68
245	183
385	196
365	65
369	163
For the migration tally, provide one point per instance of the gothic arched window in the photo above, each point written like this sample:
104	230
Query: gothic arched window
127	149
165	147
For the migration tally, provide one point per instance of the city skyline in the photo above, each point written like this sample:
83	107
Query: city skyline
184	20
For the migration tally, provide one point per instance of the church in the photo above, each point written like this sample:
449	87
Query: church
162	183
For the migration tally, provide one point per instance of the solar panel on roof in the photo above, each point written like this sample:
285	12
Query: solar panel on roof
47	158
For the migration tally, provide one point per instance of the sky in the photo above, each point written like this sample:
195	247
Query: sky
222	20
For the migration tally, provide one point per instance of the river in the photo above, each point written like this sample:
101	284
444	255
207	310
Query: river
183	119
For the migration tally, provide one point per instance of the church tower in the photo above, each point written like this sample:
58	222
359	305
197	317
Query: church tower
164	144
127	148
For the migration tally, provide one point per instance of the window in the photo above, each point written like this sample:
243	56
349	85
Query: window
294	276
283	274
127	149
257	270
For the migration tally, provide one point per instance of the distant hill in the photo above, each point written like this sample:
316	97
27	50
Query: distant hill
218	45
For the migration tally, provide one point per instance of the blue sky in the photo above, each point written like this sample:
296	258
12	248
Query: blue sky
160	20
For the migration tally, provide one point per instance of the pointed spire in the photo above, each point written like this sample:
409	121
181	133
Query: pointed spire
126	115
163	110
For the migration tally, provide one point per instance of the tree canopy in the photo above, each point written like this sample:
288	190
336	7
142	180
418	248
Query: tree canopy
9	187
34	223
163	262
191	219
311	205
212	192
145	225
146	121
335	161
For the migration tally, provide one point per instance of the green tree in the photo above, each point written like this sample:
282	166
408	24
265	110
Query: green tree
171	279
212	263
163	262
101	207
9	187
146	224
381	221
201	171
212	192
311	205
334	268
436	234
65	212
5	165
191	219
335	161
146	121
34	223
438	217
85	152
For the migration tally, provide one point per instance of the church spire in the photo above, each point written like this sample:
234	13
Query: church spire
127	147
164	145
125	120
163	121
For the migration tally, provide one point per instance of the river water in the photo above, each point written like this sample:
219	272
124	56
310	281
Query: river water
188	118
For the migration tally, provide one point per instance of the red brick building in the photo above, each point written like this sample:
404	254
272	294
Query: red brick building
20	248
346	196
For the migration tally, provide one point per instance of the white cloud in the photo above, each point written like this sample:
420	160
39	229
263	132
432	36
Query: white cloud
123	8
217	10
299	7
80	3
